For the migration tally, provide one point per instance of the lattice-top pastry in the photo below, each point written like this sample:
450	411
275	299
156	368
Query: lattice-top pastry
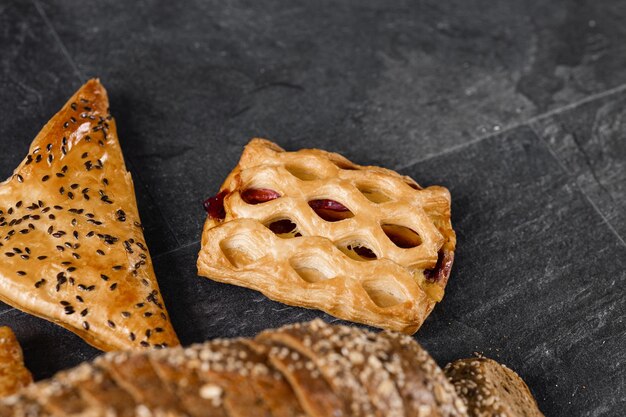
312	229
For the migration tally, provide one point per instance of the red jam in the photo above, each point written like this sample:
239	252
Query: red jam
441	271
259	195
215	205
330	210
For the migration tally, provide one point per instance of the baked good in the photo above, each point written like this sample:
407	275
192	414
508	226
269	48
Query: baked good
384	374
303	370
312	229
490	389
71	241
13	373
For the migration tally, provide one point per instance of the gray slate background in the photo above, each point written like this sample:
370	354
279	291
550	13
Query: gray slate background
517	106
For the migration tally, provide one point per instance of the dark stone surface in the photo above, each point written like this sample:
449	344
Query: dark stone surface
591	142
425	87
192	81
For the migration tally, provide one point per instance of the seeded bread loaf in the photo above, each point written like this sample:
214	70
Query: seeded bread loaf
310	369
490	389
13	373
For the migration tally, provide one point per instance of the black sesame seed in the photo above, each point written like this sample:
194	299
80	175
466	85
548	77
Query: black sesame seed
86	325
71	269
42	257
104	277
65	303
19	178
113	286
80	299
131	336
125	314
18	204
21	273
84	312
45	178
144	343
100	252
111	324
40	283
9	254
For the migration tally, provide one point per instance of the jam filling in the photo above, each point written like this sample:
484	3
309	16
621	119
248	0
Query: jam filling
330	210
259	195
441	271
214	206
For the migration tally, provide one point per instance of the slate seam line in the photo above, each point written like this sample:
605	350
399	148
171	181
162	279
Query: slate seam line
58	41
592	171
186	245
577	185
615	90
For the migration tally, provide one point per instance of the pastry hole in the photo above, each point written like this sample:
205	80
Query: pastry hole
330	210
383	292
401	236
373	195
303	173
240	250
311	268
259	195
284	228
358	251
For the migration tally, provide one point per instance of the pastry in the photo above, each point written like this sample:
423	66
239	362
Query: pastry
302	370
13	373
490	389
71	241
312	229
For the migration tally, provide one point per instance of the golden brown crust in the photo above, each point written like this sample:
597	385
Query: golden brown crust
386	263
13	373
490	389
348	359
72	245
303	370
422	384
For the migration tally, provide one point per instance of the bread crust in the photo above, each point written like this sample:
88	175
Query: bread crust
491	389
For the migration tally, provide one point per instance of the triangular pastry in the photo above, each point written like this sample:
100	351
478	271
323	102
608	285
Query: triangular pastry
72	248
312	229
13	373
